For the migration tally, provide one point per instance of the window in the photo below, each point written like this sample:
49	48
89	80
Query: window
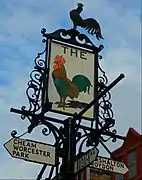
99	175
119	177
132	164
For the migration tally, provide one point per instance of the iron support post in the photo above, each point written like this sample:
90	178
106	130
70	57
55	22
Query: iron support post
67	169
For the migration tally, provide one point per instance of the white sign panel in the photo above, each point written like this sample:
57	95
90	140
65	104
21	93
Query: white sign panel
71	83
31	151
107	164
86	159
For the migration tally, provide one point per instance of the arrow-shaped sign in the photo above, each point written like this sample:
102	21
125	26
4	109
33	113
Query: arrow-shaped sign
107	164
86	159
31	151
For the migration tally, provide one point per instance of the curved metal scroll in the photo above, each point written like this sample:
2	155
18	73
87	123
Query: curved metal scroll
73	36
35	90
105	107
35	85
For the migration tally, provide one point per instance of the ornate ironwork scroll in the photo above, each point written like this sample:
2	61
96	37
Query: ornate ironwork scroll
36	85
73	37
84	136
105	106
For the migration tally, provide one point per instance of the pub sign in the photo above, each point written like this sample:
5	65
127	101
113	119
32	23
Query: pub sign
71	78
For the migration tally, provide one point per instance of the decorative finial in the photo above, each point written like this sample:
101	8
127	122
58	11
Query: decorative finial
89	24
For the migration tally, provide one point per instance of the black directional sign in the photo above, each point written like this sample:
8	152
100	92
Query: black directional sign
86	159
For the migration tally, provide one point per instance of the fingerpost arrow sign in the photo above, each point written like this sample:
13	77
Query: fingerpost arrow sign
86	159
32	151
107	164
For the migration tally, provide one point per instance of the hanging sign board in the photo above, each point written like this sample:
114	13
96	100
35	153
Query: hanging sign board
71	84
31	151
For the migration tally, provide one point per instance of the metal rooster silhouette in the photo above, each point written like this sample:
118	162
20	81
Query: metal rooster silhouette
90	24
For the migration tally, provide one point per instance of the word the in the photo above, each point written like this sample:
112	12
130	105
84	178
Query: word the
74	52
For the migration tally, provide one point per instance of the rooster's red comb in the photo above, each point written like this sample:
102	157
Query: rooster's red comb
60	58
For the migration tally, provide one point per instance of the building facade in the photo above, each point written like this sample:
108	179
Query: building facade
93	174
131	154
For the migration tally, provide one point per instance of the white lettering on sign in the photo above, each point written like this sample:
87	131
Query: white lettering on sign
109	165
31	151
86	159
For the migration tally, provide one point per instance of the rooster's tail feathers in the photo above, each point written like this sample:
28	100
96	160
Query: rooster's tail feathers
98	34
90	85
93	27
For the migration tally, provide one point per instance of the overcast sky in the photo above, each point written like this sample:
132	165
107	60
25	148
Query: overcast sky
20	41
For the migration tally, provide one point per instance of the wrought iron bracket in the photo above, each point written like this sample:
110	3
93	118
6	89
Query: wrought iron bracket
84	135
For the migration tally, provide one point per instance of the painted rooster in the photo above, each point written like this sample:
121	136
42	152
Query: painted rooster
66	87
90	24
